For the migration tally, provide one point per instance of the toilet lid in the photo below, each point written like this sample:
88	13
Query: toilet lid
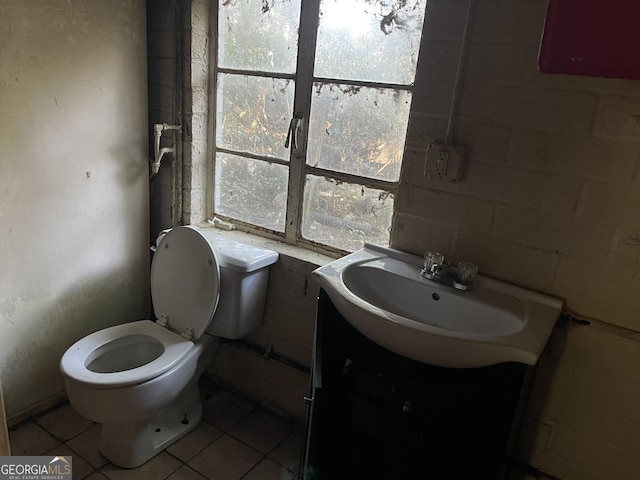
185	281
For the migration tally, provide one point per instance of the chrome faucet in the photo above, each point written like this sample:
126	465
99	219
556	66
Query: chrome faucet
437	269
442	272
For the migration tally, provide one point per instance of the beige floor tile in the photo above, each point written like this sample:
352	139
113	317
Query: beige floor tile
159	467
194	441
262	430
87	446
288	452
225	409
31	439
186	473
269	470
64	423
225	459
211	454
80	467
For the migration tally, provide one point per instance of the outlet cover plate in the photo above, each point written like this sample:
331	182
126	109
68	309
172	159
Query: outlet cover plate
445	162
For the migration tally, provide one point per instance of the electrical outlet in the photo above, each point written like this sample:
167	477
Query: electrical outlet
441	163
444	162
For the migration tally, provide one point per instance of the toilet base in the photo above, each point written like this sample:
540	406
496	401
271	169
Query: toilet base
130	444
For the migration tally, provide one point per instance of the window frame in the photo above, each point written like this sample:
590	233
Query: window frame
298	167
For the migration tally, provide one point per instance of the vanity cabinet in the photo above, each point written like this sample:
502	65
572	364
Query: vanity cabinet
373	414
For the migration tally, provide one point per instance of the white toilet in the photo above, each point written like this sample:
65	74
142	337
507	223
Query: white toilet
139	379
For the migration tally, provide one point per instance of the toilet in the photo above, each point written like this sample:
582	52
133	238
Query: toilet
139	379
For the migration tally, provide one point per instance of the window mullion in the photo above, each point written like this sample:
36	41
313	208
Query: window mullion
364	83
256	73
391	187
309	18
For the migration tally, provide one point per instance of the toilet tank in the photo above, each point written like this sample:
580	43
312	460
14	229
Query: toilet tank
244	276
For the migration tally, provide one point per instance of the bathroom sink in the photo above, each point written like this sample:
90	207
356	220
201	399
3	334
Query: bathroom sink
380	292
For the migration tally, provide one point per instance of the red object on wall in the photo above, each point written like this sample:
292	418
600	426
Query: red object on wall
599	38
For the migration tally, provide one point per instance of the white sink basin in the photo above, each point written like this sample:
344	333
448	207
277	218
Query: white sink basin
380	292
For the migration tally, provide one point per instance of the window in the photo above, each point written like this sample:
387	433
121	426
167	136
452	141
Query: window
312	104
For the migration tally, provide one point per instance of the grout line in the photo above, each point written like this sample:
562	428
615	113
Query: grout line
180	465
245	474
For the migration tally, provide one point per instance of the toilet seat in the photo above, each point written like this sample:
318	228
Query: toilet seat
76	359
185	282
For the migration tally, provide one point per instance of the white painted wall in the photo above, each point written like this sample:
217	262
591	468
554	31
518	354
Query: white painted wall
73	182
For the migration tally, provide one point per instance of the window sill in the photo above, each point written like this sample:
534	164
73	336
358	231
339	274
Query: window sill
293	251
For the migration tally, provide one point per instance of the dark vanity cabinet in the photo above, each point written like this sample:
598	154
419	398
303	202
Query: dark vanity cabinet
373	414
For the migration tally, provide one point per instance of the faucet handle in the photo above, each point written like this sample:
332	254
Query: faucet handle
465	272
432	259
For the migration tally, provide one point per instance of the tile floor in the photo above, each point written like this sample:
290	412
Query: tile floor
235	440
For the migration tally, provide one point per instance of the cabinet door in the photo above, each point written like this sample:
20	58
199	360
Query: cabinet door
309	459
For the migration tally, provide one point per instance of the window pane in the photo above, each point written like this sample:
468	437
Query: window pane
258	35
345	215
369	40
358	130
253	114
250	190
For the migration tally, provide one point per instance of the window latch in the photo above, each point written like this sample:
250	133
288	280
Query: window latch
292	135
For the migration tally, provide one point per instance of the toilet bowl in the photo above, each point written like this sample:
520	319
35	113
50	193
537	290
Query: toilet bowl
139	379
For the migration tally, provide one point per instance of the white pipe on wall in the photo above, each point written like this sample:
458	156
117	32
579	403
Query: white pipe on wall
457	86
158	152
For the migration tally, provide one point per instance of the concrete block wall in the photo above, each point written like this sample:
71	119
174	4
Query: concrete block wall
551	202
164	52
178	94
584	414
553	169
197	152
